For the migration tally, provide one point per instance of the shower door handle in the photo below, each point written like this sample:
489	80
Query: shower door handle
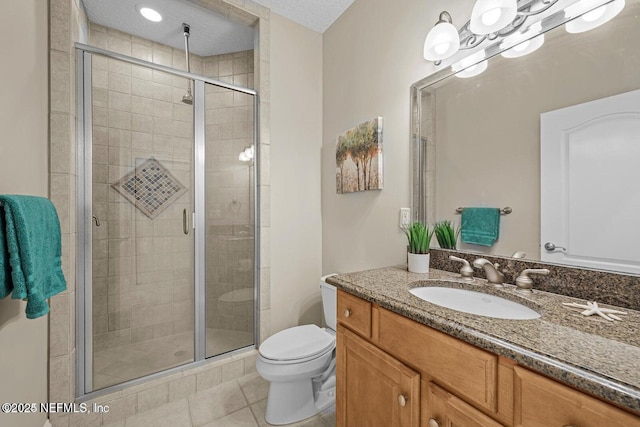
185	222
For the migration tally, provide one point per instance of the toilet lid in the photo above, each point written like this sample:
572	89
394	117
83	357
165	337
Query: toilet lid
300	342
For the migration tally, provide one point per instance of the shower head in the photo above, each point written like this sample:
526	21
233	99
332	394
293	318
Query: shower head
188	98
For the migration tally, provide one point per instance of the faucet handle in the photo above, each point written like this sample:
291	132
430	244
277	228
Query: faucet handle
466	272
524	282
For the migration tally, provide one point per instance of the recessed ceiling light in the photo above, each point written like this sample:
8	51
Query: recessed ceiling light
150	14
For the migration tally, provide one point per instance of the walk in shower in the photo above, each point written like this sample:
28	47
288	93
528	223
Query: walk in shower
167	218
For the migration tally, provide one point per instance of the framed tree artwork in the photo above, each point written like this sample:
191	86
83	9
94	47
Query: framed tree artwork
359	158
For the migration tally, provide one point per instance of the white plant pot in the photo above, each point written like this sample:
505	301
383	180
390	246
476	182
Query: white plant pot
418	263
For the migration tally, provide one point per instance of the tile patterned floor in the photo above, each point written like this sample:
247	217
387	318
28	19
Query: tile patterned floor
237	403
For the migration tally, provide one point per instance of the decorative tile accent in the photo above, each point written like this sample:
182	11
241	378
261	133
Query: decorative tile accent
150	187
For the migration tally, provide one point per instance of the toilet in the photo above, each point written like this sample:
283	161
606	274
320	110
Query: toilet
300	364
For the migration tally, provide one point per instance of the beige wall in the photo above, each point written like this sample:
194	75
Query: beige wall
372	54
296	141
23	170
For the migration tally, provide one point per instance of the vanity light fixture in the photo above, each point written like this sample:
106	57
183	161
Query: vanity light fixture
595	16
150	14
443	39
521	44
471	65
489	16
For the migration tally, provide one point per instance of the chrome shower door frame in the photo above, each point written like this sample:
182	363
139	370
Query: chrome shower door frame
84	321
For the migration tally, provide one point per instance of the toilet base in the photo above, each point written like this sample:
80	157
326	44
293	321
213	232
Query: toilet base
290	402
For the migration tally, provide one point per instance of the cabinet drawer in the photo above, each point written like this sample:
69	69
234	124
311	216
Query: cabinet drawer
443	409
461	368
354	313
541	402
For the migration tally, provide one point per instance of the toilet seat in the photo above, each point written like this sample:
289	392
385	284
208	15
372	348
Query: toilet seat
296	345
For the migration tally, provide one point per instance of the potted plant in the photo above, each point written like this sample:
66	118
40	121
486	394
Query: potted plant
419	236
445	233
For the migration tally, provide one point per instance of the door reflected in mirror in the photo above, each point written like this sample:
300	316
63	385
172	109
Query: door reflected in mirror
476	141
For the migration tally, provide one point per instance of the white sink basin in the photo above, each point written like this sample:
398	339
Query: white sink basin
475	303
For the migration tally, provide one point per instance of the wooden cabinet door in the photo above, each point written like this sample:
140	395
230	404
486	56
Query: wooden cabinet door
542	402
443	409
373	388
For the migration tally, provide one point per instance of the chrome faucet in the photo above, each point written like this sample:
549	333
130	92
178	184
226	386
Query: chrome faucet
494	276
524	282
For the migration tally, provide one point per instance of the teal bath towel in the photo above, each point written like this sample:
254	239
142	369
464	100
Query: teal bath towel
480	226
30	251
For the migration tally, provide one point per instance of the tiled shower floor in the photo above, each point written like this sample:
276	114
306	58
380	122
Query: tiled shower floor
117	365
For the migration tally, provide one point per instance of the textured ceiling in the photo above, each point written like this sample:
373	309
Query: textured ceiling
315	14
211	34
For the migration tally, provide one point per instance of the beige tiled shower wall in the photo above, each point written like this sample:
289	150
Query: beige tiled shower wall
142	267
229	194
67	25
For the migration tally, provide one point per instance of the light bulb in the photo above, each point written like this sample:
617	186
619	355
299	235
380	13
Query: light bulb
585	19
522	46
442	41
441	48
471	65
594	14
491	17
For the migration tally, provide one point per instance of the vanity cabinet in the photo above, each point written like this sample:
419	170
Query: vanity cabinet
375	389
393	371
354	313
542	402
444	409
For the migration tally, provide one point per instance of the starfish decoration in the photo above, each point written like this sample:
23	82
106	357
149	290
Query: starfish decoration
593	308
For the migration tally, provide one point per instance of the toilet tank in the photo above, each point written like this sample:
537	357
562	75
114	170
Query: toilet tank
329	301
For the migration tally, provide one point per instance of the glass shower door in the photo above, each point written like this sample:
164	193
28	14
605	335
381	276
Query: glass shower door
141	236
230	220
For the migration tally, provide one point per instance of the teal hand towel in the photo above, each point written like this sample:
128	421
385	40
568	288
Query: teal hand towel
480	226
31	250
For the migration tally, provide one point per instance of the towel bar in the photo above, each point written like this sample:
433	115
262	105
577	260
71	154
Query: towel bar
504	211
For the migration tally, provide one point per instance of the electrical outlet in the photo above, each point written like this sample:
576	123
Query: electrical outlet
405	217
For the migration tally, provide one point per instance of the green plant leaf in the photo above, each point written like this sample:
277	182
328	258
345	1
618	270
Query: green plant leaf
419	236
447	236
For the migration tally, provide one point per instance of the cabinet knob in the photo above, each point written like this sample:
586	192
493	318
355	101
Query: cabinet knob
433	422
347	313
402	400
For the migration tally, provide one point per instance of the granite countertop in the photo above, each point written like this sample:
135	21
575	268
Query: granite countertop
589	353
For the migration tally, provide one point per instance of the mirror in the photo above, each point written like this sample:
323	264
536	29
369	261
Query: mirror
476	141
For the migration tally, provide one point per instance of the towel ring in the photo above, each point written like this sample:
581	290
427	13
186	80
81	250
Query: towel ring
504	211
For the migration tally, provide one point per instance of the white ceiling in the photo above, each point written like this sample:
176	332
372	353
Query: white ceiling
211	33
315	14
